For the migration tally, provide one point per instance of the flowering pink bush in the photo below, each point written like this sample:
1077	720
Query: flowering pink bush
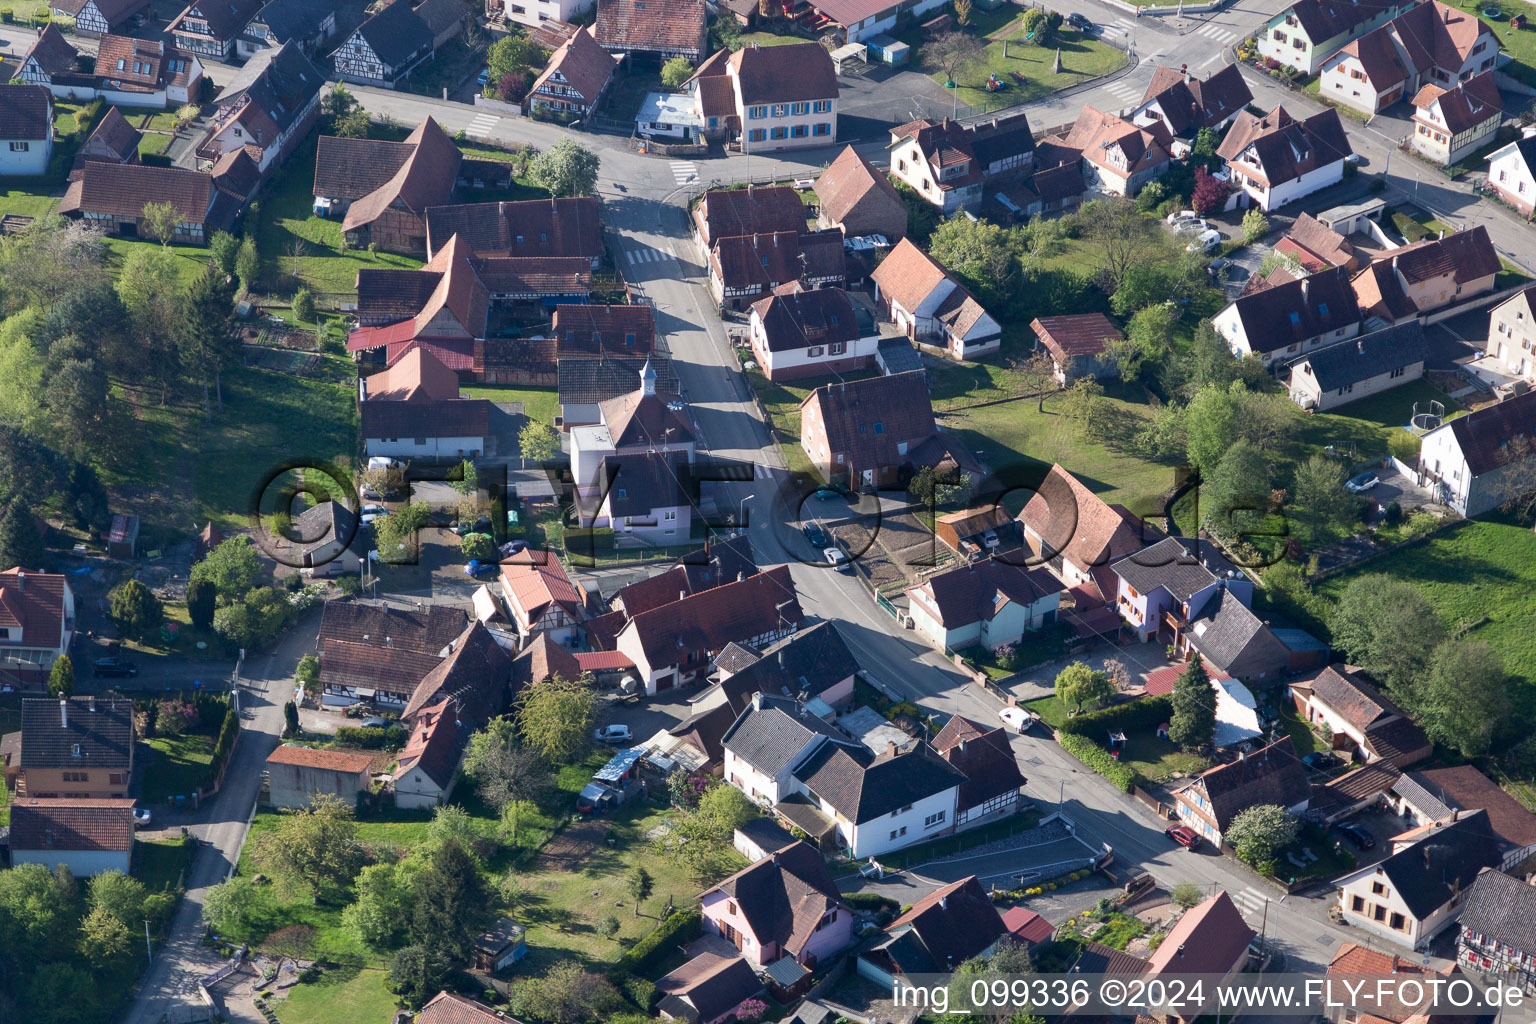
751	1010
176	717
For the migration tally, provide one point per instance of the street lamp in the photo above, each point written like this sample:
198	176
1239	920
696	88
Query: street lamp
741	511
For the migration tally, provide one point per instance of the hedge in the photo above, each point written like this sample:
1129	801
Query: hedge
870	902
641	959
1098	759
391	738
583	541
1145	713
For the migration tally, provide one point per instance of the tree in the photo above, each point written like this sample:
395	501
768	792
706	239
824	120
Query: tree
1186	895
555	716
1255	225
512	54
135	609
950	52
507	774
248	261
159	221
338	103
78	399
724	809
538	441
304	306
512	87
396	532
104	940
20	543
1193	723
1516	480
1210	193
315	848
640	886
566	169
1388	627
225	250
675	72
565	995
1259	832
1464	697
1206	142
1321	507
61	678
382	904
232	568
1077	684
202	599
1079	403
450	902
37	908
230	908
1217	416
208	332
963	13
354	125
1235	489
416	974
1122	236
290	718
1036	373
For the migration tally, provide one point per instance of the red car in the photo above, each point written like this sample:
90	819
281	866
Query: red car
1184	836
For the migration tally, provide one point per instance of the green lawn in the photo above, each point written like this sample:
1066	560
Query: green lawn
1116	931
1082	58
180	765
161	864
341	995
1415	224
151	120
540	404
769	39
24	204
1484	569
1051	710
1157	759
154	142
1303	739
191	259
1332	858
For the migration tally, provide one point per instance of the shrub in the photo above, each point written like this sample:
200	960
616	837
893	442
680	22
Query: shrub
1146	713
871	902
392	738
640	992
478	546
643	957
580	541
1098	759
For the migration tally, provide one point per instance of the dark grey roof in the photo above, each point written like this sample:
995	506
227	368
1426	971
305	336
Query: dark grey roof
736	657
454	417
24	112
1503	909
1426	803
862	787
102	727
1235	640
635	485
771	733
899	356
766	833
809	661
298	20
396	33
1428	873
1172	564
721	562
785	971
323	524
424	631
1295	311
1367	356
280	81
590	381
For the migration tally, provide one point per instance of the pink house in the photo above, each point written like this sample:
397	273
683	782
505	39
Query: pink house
784	905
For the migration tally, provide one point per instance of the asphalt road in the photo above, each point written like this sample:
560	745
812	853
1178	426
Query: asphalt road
171	979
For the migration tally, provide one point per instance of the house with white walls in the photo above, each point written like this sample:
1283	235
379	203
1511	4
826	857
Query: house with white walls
1276	159
768	740
1470	462
875	803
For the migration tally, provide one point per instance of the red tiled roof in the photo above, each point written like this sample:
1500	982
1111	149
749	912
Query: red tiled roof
707	621
1160	680
416	376
784	74
1083	334
447	1008
432	745
908	275
35	602
326	760
746	211
123	190
651	25
534	580
1208	939
426	178
72	824
545	659
602	661
1072	520
1027	926
24	112
849	182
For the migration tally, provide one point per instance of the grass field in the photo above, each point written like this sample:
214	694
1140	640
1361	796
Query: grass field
540	404
24	204
181	765
1303	739
1485	569
154	142
341	995
1157	759
1082	58
161	863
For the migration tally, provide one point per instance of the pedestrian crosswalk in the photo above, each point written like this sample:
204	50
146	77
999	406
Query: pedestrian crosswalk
646	254
1250	901
683	172
481	126
1127	91
1214	32
1122	25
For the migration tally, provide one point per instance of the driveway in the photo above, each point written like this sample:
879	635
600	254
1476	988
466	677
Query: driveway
1401	488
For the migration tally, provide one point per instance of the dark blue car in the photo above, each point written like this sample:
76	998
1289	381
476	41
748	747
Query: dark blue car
479	570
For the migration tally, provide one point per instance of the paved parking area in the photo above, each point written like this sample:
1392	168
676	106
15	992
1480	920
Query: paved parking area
1457	340
1401	488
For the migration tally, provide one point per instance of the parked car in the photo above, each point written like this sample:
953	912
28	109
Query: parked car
1079	22
1184	836
829	493
373	510
814	535
1362	482
117	668
513	547
1358	837
866	243
484	78
1178	217
381	462
612	734
1205	241
1017	718
837	557
1319	759
141	817
477	569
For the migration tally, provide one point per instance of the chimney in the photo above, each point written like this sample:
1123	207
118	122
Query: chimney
890	748
757	701
962	746
943	902
781	657
21	580
64	714
1304	283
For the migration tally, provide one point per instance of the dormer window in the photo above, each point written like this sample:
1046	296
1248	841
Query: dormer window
1322	308
629	339
77	750
1295	318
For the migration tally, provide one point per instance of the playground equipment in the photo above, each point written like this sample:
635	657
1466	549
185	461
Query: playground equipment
1429	420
